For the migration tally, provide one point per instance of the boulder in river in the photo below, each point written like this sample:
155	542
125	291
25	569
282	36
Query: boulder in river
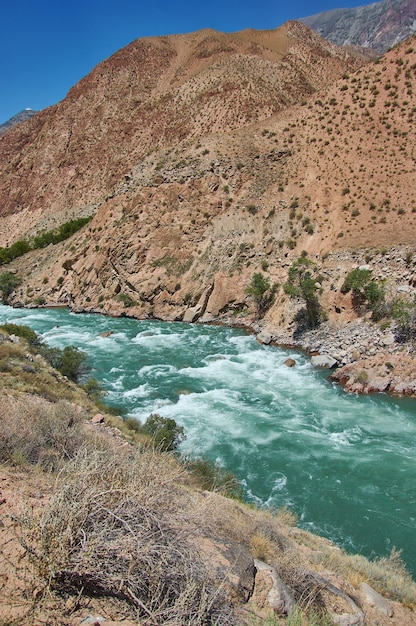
264	337
289	362
324	360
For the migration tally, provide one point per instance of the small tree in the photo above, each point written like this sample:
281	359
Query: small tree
72	363
8	283
261	292
164	431
404	313
304	285
366	292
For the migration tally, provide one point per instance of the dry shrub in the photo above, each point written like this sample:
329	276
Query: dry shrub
115	528
8	352
286	517
306	588
33	430
261	547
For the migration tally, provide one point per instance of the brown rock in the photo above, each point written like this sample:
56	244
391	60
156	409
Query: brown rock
97	419
289	362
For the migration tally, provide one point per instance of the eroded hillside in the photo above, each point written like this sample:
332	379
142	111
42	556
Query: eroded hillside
188	227
153	94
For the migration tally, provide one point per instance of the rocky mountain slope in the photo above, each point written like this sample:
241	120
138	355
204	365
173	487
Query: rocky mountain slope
330	175
151	95
380	25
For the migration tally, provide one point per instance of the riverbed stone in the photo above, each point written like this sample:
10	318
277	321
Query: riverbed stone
289	362
324	360
264	337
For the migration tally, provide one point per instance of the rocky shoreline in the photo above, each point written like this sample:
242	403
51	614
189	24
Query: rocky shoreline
365	358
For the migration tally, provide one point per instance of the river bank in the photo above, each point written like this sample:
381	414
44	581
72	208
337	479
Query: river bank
364	357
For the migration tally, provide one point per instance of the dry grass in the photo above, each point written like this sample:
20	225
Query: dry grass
35	431
261	547
23	371
387	575
115	528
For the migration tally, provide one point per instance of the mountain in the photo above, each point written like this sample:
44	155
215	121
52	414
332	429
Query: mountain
153	94
380	25
26	114
207	158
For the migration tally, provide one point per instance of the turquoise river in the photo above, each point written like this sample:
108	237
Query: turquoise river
345	464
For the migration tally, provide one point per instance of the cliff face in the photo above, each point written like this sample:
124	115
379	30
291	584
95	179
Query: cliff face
380	25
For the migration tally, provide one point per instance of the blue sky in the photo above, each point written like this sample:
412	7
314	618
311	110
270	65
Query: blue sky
46	46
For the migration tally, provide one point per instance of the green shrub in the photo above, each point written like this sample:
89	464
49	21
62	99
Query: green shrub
212	477
164	432
404	313
365	292
261	292
72	363
60	234
302	283
8	283
21	247
356	280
